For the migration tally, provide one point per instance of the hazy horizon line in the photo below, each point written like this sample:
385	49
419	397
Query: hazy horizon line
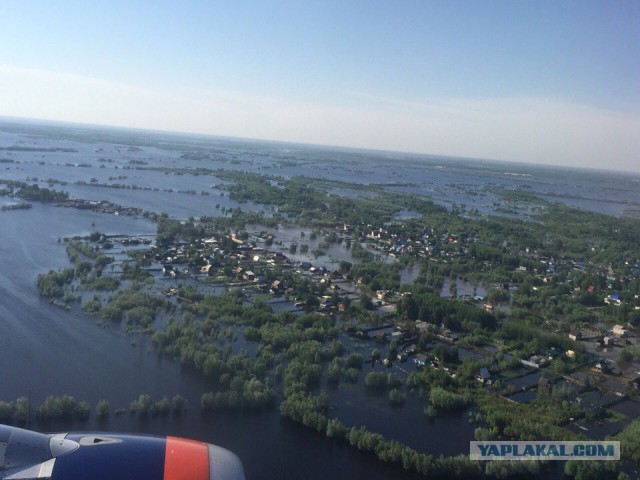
98	126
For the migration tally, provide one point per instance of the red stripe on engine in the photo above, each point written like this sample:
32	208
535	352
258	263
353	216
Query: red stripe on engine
186	460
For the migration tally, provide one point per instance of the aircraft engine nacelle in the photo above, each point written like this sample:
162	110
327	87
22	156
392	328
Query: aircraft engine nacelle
27	455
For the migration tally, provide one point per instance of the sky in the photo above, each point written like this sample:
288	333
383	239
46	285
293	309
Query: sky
546	81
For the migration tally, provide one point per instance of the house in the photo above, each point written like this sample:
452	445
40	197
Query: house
613	299
275	286
168	270
382	294
484	376
422	327
208	269
575	335
249	276
420	360
447	335
619	331
536	361
236	240
602	367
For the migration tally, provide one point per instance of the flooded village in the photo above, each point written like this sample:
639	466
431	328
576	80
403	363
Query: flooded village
605	390
365	314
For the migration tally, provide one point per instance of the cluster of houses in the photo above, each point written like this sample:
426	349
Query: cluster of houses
426	244
248	262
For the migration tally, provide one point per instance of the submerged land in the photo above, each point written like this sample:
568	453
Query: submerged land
489	294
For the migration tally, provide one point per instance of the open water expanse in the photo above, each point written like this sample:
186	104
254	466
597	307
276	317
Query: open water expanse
45	350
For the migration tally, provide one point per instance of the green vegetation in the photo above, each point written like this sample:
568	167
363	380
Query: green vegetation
454	315
17	206
591	470
543	278
34	193
446	400
102	408
138	309
381	380
630	441
63	407
52	284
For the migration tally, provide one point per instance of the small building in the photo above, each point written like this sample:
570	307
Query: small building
613	299
249	276
422	327
382	294
420	360
208	269
167	269
484	376
619	331
535	361
575	335
447	335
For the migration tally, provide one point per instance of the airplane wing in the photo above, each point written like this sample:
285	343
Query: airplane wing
28	455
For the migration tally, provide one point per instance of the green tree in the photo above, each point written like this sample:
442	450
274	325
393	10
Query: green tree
102	408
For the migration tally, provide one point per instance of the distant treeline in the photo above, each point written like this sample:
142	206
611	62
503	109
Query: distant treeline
15	148
66	407
18	206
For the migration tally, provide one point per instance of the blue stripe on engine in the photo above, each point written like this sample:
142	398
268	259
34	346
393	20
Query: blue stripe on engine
136	458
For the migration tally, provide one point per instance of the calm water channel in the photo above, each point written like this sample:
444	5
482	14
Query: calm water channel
45	351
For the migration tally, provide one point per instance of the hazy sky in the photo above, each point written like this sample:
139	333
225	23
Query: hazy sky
554	82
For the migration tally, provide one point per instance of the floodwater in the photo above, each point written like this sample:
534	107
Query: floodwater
46	350
140	160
